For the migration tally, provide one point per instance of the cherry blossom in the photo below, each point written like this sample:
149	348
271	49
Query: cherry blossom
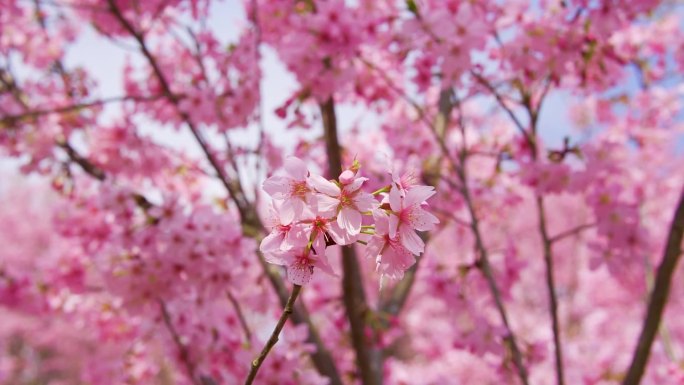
444	191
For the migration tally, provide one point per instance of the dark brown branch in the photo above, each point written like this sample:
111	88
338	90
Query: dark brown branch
547	243
80	160
658	299
289	306
553	301
354	297
568	233
183	352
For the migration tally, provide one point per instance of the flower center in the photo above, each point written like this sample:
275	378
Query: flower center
298	189
346	199
320	223
303	260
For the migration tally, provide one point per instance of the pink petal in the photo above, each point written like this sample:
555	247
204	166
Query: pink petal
395	199
296	168
322	263
418	195
323	185
364	201
375	246
277	187
287	211
350	220
355	185
299	274
422	220
411	240
272	241
346	177
393	225
318	244
394	261
279	258
381	222
297	237
340	235
326	205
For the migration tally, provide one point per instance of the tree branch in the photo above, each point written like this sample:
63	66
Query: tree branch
10	120
486	270
547	244
240	315
256	364
184	355
571	232
661	290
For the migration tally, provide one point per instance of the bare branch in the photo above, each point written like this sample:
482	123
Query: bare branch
661	290
289	306
573	231
183	351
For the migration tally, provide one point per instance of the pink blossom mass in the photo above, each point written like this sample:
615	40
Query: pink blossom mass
341	192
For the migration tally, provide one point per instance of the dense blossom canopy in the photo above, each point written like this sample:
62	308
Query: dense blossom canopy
465	192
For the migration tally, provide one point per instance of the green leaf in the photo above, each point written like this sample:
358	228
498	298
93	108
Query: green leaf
412	6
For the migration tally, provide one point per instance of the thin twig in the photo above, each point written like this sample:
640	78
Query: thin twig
289	306
502	104
486	270
658	299
9	120
184	354
547	244
573	231
240	315
484	263
553	301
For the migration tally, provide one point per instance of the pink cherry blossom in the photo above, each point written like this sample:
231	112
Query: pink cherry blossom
392	258
346	203
409	215
282	236
291	188
135	220
300	264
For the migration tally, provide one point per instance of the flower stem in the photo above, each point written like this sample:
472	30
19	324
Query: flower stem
382	190
289	306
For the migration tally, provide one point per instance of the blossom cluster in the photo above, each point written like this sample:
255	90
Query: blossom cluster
310	213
